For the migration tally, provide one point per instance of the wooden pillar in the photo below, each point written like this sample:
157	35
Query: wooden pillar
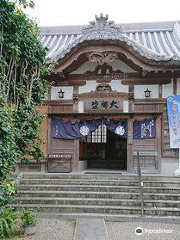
174	85
75	165
131	98
160	91
75	99
49	139
49	95
131	91
130	146
158	142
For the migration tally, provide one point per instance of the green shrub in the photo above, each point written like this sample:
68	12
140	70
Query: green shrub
29	218
8	222
8	188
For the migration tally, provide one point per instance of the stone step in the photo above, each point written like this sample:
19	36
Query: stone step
162	196
100	195
79	182
162	203
115	176
78	201
99	188
79	194
102	209
161	184
95	201
156	190
162	211
122	182
87	188
108	176
113	217
51	208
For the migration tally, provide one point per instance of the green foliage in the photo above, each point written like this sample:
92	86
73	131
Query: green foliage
9	153
27	121
8	222
25	3
23	64
29	218
8	188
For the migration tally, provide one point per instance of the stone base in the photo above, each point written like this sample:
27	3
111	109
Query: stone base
32	166
177	172
83	165
169	165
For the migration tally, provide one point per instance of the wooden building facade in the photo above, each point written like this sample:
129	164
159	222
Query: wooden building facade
108	71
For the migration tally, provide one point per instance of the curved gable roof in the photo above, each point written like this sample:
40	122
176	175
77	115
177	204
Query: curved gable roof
154	41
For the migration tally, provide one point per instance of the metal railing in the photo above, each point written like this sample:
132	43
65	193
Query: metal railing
140	184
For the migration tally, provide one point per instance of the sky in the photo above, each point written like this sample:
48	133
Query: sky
80	12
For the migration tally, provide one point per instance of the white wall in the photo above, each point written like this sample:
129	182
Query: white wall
117	86
119	65
68	93
167	90
116	65
90	86
88	66
139	91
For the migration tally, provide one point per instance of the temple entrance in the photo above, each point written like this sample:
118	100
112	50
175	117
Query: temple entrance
104	149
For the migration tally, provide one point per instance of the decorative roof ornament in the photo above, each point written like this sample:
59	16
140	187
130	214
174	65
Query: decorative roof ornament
101	58
103	87
101	28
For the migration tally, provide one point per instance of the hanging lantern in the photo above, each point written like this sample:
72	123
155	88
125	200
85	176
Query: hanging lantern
147	93
61	93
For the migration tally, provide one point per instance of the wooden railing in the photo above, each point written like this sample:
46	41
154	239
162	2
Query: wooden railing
140	184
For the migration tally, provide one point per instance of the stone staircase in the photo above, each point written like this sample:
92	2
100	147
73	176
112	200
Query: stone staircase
107	196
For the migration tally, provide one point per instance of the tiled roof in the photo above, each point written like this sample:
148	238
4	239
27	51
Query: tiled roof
156	41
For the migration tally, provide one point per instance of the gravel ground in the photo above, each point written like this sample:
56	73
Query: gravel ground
151	231
52	229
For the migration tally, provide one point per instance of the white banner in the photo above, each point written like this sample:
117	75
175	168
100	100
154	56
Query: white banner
173	107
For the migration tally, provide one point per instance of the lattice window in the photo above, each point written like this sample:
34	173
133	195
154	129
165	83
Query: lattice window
99	135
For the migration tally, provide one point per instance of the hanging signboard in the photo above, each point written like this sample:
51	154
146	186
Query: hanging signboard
102	104
173	107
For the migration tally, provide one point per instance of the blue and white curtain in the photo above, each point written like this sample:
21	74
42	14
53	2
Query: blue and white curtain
144	129
68	130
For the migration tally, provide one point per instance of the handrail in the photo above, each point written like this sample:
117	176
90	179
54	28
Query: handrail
140	184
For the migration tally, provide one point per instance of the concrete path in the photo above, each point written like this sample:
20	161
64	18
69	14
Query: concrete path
90	229
142	231
52	229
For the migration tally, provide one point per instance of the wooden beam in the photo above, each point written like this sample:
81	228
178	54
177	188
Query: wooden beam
115	46
70	83
126	78
76	64
116	75
130	63
144	81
